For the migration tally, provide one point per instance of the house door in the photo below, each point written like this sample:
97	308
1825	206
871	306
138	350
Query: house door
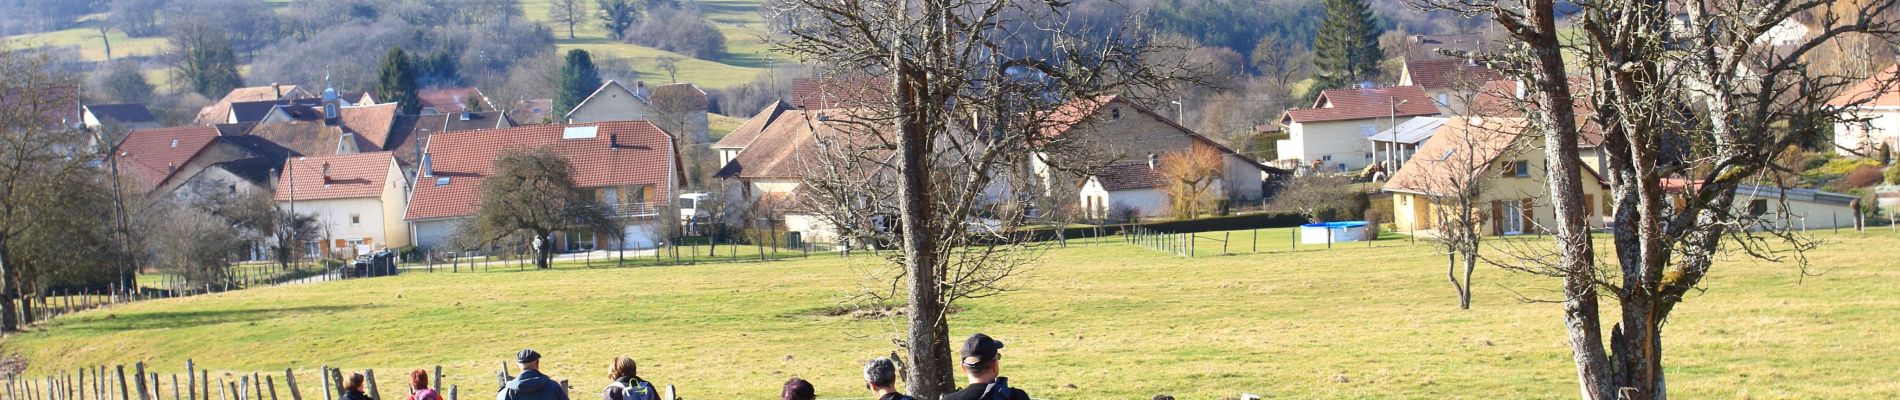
1513	218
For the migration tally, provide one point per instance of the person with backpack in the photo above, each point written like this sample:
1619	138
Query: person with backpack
980	364
532	384
627	384
880	375
419	386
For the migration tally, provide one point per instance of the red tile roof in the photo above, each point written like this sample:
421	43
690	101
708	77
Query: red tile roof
1077	112
1351	104
1877	91
450	100
461	160
156	153
1499	98
351	176
1449	73
1463	149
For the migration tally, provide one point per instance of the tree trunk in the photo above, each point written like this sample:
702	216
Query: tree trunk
544	253
1581	311
1451	274
8	321
928	337
1471	263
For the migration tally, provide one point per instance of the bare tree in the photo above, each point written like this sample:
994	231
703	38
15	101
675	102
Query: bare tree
1193	178
1319	197
963	107
35	149
1698	96
533	191
568	13
671	65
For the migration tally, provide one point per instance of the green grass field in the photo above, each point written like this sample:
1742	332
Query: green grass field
1095	320
747	56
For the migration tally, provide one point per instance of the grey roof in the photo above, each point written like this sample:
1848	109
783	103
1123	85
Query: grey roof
254	111
1415	131
1795	194
124	113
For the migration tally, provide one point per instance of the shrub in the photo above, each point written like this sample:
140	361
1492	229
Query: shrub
1863	176
1374	217
1893	174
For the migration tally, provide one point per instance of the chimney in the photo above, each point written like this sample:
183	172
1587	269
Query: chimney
613	140
278	89
326	172
428	170
1153	160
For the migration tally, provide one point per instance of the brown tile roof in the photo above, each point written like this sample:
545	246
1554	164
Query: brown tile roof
682	96
410	132
1351	104
373	123
1499	99
350	176
1463	148
1449	73
219	112
156	153
308	138
746	132
1877	91
1078	112
460	161
450	100
1460	150
1128	176
825	93
782	148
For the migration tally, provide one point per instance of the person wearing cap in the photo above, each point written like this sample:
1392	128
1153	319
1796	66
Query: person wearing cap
532	384
880	375
981	364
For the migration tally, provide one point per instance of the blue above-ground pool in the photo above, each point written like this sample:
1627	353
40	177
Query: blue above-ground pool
1333	232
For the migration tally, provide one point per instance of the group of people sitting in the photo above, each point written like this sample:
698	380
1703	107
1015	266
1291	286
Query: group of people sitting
980	356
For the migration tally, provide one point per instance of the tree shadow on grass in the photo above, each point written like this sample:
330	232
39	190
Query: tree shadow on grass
120	322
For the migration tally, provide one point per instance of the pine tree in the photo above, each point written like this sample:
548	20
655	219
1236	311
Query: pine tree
396	81
579	78
1347	48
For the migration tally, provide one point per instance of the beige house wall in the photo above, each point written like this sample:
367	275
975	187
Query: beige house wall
615	103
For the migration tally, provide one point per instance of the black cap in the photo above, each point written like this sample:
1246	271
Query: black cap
980	349
527	356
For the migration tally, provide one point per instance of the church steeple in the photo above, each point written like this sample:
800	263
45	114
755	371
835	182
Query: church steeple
330	102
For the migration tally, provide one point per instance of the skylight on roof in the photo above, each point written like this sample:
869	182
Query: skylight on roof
442	181
580	132
1447	154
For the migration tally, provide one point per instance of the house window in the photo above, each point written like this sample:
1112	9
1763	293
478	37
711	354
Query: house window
1444	99
1757	207
1517	169
1327	157
1368	155
1115	113
356	220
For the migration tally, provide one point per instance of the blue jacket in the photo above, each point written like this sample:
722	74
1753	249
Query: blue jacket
532	385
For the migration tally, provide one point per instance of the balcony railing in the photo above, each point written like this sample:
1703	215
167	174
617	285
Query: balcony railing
630	210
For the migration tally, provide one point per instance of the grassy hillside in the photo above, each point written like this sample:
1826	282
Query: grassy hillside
747	53
1099	321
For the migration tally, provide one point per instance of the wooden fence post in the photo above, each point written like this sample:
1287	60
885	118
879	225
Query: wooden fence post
124	393
175	387
327	391
290	383
370	375
438	379
271	383
138	369
204	383
191	379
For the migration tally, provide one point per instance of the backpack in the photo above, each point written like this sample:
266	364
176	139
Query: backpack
639	390
425	394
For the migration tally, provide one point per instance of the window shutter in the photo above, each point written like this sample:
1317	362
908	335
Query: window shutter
1497	218
1528	215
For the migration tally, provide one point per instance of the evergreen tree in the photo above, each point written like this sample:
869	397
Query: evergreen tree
579	78
1347	48
397	82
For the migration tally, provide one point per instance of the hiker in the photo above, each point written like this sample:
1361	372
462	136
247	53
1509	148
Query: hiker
627	384
980	358
353	388
419	386
798	389
532	384
880	375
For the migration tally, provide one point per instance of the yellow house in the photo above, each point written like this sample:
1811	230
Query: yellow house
1499	166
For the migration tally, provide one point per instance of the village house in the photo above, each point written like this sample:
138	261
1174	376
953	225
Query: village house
631	166
1449	82
122	116
409	134
612	101
358	199
766	175
453	100
220	111
1870	115
729	146
1773	208
1331	136
1494	159
1130	141
161	160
